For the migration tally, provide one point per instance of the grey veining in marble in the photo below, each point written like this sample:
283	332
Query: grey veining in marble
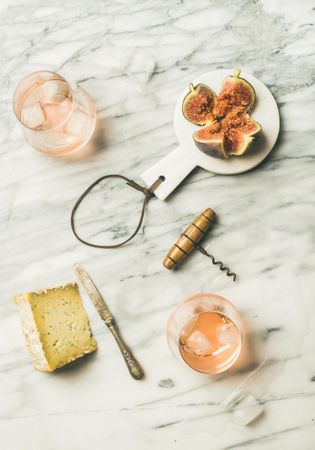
134	57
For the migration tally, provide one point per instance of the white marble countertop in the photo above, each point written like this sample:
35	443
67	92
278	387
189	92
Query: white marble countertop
135	57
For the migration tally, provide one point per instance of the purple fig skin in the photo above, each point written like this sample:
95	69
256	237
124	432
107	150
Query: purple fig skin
214	148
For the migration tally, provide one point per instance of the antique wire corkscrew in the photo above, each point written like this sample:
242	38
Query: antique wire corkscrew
190	240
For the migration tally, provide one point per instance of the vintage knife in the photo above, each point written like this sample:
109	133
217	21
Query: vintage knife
103	310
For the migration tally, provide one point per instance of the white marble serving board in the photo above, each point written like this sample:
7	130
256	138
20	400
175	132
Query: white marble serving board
134	58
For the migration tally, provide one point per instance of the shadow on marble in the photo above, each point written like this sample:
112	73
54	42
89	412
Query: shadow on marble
250	357
277	145
96	144
77	367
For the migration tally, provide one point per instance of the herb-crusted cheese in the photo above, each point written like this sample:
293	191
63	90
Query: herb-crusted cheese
55	326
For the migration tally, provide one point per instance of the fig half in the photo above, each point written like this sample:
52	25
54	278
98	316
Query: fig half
235	93
198	104
230	136
227	128
211	140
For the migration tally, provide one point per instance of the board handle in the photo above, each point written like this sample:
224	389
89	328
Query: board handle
174	167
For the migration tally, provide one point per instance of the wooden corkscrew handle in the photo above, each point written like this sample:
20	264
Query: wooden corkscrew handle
189	239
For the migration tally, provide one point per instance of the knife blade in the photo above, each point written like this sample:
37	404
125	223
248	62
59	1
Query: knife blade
98	301
93	293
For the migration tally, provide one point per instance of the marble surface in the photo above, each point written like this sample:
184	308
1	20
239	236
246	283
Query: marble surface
135	57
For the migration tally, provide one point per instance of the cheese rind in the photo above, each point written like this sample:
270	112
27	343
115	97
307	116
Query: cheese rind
55	326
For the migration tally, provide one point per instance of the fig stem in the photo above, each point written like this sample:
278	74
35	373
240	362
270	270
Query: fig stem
237	72
191	87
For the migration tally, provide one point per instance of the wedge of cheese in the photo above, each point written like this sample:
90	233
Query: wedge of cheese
55	326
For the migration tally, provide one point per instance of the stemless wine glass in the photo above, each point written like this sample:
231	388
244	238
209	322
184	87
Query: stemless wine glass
206	332
57	118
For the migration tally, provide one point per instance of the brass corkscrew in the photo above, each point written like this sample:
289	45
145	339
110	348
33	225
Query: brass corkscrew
190	240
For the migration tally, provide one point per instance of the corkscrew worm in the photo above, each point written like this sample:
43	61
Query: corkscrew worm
190	240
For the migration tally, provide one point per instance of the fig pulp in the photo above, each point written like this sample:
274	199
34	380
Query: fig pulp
227	128
198	104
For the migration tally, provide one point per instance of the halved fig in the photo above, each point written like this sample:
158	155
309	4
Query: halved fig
198	104
242	122
235	92
231	136
240	139
227	127
249	127
211	141
237	143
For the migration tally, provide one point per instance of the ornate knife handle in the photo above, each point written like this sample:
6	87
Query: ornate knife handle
133	366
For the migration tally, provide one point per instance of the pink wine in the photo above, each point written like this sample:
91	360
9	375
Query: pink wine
210	342
58	119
